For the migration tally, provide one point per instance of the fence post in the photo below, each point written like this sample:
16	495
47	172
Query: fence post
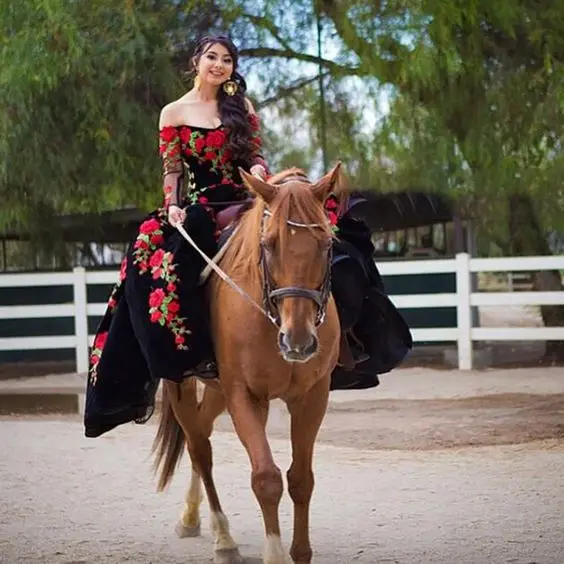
80	319
463	311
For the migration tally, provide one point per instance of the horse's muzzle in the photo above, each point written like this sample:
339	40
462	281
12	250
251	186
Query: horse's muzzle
297	351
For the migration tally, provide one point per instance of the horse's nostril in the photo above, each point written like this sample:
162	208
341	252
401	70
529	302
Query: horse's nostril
311	347
283	342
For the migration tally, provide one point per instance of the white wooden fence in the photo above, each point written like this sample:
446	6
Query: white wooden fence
463	299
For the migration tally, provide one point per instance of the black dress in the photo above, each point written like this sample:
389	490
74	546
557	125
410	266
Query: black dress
156	322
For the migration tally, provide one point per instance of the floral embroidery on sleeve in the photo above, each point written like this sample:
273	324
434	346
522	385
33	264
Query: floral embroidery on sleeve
171	155
170	150
257	141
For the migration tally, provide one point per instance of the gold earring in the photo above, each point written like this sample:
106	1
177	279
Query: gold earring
230	87
197	82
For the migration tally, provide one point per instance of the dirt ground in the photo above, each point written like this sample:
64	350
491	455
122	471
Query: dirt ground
435	480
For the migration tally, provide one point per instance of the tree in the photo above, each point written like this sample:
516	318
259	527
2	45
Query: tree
81	86
483	79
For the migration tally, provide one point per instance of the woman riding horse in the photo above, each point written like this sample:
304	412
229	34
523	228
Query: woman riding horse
156	325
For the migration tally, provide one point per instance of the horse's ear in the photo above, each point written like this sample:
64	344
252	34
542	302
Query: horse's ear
258	186
328	183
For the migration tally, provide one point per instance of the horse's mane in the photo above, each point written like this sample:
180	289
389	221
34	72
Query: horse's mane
295	201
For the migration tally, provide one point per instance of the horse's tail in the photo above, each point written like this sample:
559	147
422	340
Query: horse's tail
169	442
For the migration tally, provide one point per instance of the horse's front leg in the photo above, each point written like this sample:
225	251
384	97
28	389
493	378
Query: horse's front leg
249	417
307	413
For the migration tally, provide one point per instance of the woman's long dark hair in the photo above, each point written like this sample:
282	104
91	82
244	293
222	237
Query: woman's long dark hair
232	109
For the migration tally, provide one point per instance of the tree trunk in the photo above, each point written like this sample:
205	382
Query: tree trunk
528	239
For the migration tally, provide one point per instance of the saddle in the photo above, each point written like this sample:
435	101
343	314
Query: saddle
226	221
232	213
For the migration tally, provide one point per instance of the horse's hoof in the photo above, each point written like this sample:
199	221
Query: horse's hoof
228	556
185	532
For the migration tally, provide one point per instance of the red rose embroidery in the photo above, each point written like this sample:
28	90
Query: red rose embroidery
149	226
216	139
210	156
163	303
254	121
185	134
100	340
156	297
168	133
157	258
331	204
99	343
141	244
333	219
123	269
199	144
157	239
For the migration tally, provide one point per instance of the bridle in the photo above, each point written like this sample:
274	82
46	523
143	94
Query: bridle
271	296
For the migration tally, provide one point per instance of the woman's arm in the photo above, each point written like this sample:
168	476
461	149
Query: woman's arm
259	166
173	172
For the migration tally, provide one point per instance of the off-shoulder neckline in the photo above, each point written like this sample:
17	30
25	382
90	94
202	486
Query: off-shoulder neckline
194	126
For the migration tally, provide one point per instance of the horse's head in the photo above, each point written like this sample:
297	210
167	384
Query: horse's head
295	256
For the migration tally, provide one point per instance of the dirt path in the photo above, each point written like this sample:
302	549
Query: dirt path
427	424
65	499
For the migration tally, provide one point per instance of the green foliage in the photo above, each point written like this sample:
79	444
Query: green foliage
81	86
475	90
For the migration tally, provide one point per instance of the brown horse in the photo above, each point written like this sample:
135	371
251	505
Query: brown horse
280	257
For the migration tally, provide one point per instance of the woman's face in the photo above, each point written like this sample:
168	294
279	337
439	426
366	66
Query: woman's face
215	65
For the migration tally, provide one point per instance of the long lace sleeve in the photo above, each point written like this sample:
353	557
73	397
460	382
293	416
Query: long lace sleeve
257	142
173	173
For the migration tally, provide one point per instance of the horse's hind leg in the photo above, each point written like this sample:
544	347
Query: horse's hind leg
209	408
307	413
197	424
189	524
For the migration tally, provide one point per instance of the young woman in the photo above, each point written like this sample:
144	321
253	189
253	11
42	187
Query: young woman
155	325
156	322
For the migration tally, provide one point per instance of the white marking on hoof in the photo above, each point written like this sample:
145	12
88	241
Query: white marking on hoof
227	556
222	537
185	532
274	551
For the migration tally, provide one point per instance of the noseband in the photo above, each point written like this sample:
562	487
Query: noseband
272	295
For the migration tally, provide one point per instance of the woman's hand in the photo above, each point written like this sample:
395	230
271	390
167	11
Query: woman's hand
259	171
176	215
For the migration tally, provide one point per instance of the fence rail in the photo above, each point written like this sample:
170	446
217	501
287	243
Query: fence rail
463	299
